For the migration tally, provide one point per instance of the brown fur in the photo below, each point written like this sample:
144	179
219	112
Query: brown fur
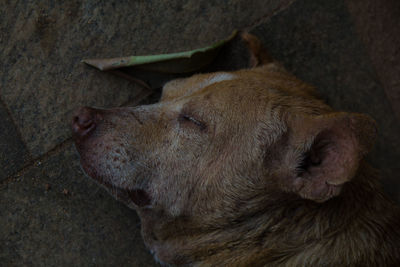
251	170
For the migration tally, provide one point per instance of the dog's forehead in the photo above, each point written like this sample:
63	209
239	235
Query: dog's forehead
226	89
238	93
199	82
216	78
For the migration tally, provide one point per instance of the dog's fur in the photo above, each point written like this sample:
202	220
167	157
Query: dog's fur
246	168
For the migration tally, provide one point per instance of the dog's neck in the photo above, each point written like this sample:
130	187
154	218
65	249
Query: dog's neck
358	223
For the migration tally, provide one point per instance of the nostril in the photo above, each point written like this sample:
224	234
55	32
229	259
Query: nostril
83	122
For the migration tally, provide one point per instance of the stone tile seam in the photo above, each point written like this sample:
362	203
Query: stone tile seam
269	15
18	130
36	162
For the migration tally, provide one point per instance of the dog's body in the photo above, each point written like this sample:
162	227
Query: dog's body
246	168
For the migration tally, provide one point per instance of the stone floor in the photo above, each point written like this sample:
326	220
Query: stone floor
50	213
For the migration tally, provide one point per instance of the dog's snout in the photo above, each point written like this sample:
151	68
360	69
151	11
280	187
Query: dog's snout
84	121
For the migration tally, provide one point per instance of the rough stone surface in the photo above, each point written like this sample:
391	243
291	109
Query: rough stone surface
53	215
13	153
318	43
382	41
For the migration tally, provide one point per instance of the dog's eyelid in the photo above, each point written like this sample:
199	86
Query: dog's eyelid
189	118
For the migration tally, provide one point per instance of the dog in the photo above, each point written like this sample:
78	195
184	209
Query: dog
244	168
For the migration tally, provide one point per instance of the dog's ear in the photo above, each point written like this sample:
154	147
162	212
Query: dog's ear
258	54
328	150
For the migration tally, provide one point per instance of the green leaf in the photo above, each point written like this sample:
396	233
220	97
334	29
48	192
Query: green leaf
180	62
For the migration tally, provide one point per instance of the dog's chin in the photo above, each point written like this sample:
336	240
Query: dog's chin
92	171
132	197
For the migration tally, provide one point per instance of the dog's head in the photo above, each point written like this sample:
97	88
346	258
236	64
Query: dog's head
219	137
223	144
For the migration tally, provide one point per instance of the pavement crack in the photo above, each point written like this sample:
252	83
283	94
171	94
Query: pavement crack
17	129
36	161
284	5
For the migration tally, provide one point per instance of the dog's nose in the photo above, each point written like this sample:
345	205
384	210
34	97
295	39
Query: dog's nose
84	121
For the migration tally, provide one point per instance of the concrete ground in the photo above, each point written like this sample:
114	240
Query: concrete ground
51	214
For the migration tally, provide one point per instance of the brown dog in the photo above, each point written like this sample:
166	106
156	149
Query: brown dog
246	168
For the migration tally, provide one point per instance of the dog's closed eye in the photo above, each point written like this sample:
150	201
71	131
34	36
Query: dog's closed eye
184	118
